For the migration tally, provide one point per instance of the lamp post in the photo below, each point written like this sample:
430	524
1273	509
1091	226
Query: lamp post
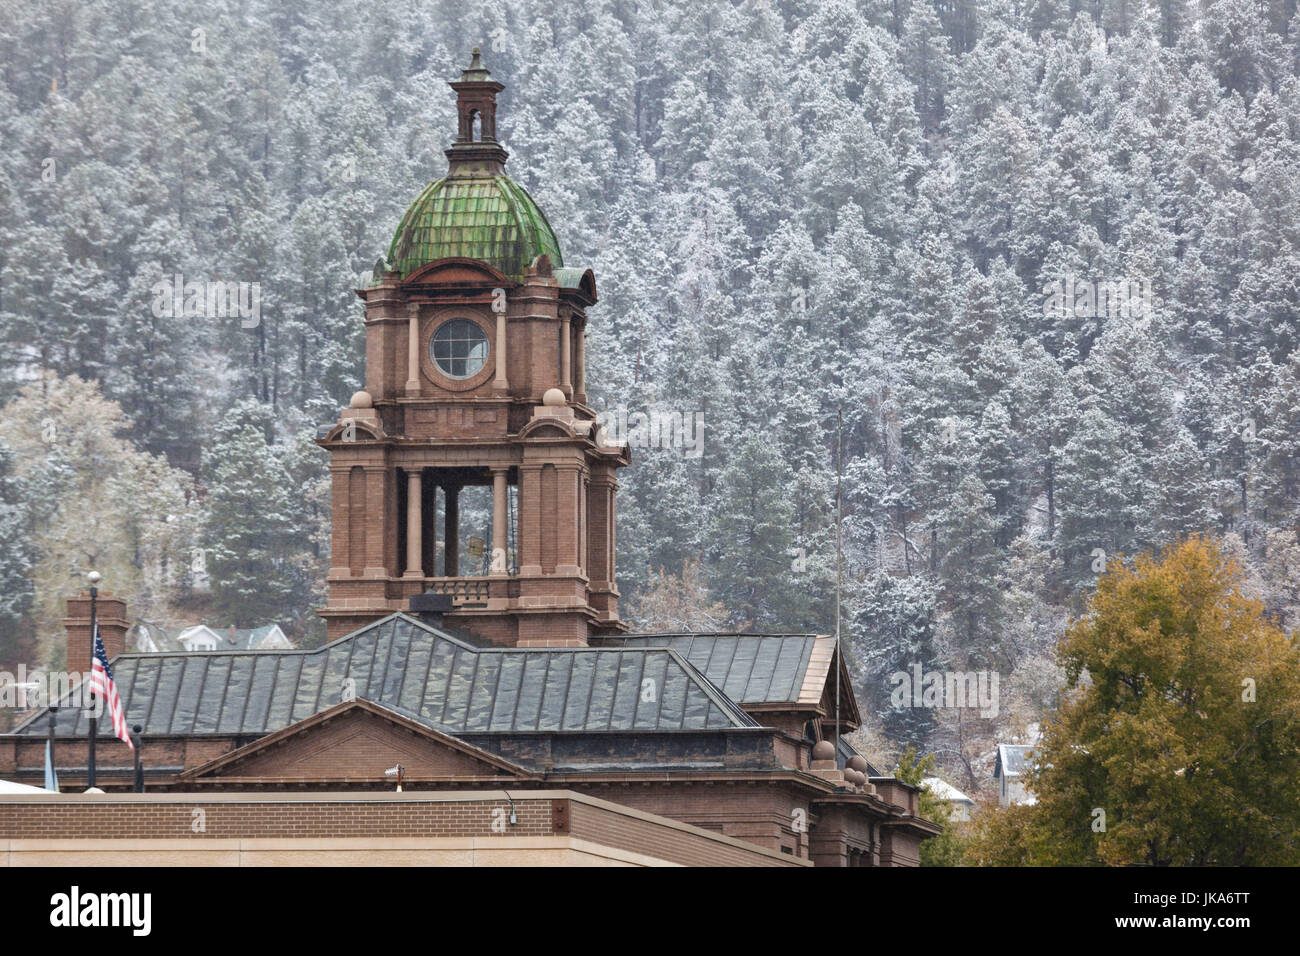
93	577
139	766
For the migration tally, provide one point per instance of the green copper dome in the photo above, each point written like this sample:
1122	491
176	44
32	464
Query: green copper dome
490	218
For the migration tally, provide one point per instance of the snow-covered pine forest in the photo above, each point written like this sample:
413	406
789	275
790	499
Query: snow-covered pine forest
795	211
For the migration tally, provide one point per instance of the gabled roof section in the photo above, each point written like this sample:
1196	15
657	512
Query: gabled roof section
1012	760
817	676
412	668
945	791
305	731
761	671
822	674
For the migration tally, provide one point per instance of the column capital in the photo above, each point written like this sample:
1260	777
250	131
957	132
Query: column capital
498	565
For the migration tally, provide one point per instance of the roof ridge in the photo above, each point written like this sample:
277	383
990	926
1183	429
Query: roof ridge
624	637
167	691
718	696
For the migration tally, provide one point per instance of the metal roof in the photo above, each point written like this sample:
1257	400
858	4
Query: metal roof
570	278
1012	760
488	218
945	791
413	668
749	668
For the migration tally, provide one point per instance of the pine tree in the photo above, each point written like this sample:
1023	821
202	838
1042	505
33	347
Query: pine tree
248	524
969	567
893	632
750	537
15	556
1100	489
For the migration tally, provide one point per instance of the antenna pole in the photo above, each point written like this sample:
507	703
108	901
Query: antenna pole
839	557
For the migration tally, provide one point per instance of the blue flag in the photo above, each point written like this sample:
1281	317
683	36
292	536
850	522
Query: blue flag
51	778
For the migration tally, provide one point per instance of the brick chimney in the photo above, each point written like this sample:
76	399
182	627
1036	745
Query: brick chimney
113	625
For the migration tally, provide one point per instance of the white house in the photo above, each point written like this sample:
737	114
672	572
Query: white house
1008	772
962	805
148	638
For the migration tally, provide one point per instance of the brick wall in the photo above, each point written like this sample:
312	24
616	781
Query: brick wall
389	816
257	817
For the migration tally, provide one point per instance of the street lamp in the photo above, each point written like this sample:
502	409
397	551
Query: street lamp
136	731
94	578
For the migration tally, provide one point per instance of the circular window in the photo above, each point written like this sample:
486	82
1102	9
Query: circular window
459	348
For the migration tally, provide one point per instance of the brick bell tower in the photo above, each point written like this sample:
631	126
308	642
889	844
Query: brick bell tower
471	466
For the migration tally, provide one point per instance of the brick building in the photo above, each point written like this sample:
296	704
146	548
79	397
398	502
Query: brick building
519	679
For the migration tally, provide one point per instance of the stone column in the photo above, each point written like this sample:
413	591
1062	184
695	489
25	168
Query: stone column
580	373
499	539
501	383
413	350
414	525
451	531
566	351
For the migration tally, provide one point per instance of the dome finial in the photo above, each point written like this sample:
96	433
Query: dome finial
476	151
476	72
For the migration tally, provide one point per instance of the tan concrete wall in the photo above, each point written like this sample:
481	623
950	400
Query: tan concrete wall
473	851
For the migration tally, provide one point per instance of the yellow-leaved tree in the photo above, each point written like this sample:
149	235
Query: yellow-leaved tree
1177	739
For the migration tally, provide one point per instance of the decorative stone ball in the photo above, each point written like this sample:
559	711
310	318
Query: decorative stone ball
553	397
361	399
858	763
855	777
823	750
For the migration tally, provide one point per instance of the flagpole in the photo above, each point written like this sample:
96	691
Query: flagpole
93	577
839	552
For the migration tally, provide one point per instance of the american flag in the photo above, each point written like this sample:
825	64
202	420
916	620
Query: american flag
103	687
